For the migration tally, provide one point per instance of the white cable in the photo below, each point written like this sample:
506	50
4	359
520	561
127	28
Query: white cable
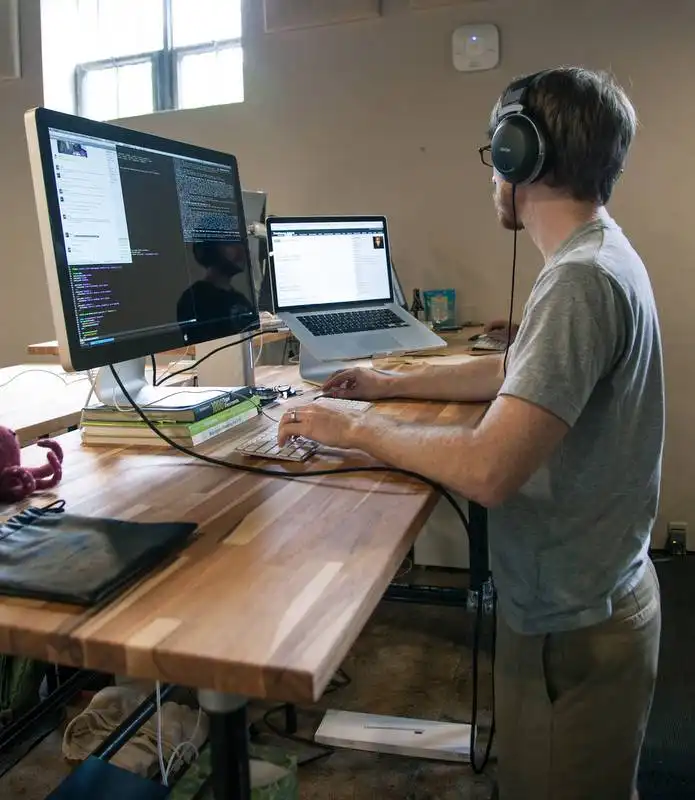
160	747
172	367
92	386
188	743
260	351
60	377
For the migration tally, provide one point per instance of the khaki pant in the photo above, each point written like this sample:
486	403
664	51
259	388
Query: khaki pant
572	707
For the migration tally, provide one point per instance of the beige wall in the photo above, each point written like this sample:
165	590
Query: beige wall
23	299
372	117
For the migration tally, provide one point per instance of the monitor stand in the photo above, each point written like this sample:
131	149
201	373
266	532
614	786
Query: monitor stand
312	370
132	375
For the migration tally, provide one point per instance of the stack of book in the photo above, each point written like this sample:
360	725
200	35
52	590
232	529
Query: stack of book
191	419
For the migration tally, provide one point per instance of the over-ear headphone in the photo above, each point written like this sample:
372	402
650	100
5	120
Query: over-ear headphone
519	149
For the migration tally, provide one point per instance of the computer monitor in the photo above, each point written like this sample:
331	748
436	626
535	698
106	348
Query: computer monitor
145	243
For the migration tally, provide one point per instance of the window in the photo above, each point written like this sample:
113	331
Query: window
108	59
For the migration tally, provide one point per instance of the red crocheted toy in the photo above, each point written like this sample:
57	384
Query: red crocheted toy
18	482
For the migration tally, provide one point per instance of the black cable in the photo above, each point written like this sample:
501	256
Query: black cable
320	473
340	681
154	369
478	768
324	749
511	294
205	358
477	628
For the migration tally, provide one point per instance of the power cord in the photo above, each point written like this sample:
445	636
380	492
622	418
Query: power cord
479	767
154	369
206	356
340	681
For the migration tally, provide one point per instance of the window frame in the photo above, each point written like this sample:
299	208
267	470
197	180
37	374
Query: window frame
165	66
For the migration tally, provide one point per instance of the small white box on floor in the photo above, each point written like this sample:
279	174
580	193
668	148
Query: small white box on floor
417	738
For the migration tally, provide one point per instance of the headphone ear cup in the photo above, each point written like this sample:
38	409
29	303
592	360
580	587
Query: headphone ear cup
518	149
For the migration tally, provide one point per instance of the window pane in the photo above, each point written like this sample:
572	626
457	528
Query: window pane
201	21
117	92
212	78
113	28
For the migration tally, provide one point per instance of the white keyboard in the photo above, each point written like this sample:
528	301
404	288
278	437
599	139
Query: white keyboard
485	342
340	403
265	444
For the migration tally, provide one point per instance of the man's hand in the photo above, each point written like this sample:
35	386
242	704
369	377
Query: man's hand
498	329
358	384
320	424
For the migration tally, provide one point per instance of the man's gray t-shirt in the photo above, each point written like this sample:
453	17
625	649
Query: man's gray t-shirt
575	537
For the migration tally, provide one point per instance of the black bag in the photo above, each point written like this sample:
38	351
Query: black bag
50	555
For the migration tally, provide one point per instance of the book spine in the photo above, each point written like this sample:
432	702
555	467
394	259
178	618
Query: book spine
194	428
223	427
218	404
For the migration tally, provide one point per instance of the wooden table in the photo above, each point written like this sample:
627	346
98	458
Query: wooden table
50	348
269	598
43	400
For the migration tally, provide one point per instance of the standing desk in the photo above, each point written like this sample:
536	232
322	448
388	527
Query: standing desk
267	600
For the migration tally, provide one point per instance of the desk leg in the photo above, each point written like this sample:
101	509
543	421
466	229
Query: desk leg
478	547
229	745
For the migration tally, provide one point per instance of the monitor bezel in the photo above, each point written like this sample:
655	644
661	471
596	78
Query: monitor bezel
73	356
276	219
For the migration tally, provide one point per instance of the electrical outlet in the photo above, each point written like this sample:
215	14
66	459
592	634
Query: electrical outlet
677	541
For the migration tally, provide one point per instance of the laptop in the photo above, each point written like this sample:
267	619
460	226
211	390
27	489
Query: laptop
333	287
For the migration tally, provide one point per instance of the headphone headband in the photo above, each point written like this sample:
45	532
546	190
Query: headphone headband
514	97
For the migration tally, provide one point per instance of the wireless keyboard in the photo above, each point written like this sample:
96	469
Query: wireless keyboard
341	403
490	343
265	444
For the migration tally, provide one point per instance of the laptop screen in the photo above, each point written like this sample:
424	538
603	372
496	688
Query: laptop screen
329	261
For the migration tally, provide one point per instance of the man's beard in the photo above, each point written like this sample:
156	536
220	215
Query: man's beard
505	209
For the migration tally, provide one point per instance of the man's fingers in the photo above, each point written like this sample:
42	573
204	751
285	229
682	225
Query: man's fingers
340	381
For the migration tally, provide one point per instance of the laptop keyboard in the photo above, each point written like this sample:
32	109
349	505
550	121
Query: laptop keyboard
375	319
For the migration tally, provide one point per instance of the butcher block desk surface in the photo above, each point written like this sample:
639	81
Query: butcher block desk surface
273	591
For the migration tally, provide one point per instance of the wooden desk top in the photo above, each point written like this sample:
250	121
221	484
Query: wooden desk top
37	403
51	348
42	399
268	599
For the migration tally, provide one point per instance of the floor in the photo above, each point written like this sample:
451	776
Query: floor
411	660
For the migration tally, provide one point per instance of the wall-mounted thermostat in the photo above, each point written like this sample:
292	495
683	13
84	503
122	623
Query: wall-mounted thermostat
476	47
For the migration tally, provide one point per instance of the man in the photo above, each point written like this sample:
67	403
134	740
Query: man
211	302
567	459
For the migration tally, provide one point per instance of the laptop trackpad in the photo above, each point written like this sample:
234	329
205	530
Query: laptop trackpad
383	342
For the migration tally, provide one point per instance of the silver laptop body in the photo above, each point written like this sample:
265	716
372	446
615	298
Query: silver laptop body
333	287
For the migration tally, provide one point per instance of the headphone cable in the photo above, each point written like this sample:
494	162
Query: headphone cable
511	293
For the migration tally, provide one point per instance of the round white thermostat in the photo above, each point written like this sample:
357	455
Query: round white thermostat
476	47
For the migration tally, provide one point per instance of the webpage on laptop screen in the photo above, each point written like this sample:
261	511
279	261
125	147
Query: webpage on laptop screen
319	263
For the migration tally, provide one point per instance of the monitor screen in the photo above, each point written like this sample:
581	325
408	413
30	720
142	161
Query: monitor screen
322	261
145	239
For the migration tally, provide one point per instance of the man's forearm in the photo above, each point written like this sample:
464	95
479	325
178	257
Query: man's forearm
448	455
476	380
